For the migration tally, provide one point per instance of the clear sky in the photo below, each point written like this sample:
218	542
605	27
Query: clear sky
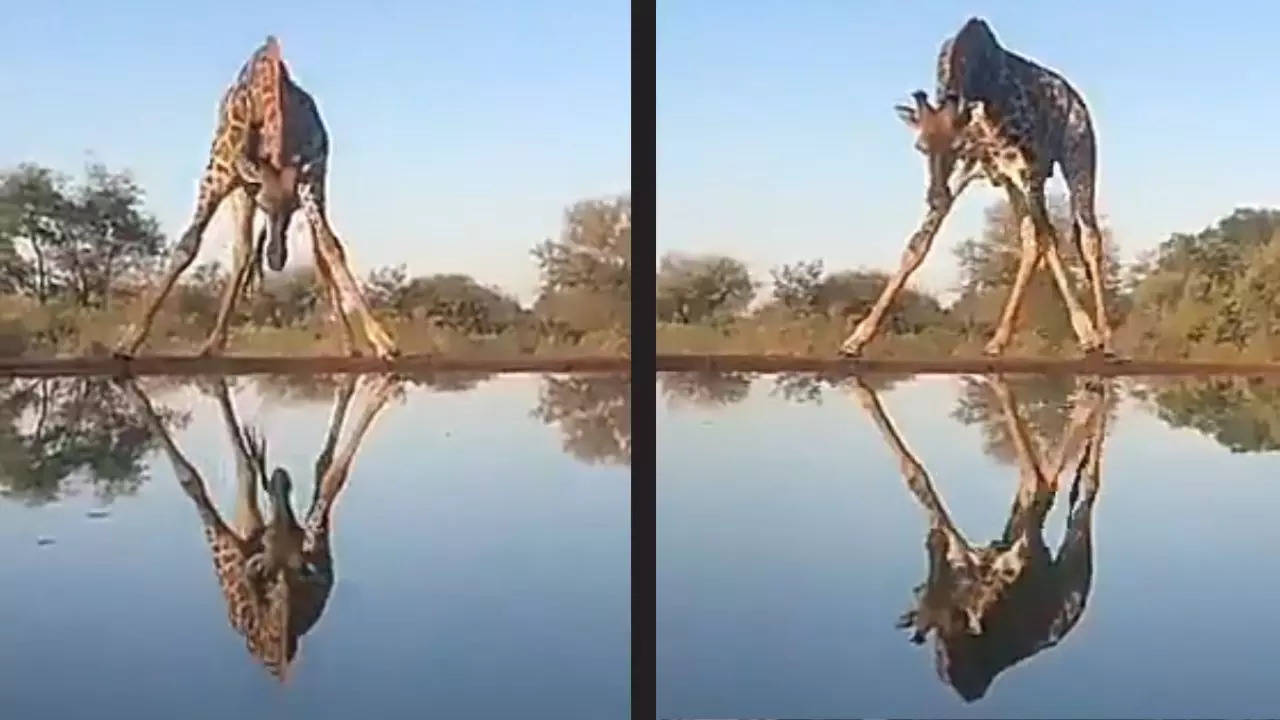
459	131
777	140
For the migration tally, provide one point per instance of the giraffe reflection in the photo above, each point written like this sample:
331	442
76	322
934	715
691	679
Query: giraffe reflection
991	607
275	577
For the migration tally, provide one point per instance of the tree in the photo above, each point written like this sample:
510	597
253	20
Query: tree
989	264
586	273
1043	403
594	249
56	239
698	288
58	431
1212	289
199	293
287	298
795	287
804	290
593	413
451	300
705	388
113	236
33	213
1241	414
851	293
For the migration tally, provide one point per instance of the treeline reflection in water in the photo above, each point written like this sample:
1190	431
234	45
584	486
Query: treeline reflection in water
66	435
1240	413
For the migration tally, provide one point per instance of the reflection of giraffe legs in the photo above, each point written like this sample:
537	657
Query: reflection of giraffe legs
918	480
332	471
188	478
989	607
345	391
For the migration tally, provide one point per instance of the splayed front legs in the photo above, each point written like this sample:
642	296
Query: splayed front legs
917	247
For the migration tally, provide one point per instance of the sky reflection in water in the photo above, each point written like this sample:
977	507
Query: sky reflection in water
792	534
479	560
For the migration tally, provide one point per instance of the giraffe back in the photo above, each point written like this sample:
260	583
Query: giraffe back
1029	107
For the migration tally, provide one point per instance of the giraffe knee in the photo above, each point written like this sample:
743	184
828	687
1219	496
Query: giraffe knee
185	251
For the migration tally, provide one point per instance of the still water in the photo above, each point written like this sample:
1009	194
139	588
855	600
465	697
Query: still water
461	547
898	547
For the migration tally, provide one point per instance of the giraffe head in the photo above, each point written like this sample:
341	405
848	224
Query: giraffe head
278	198
939	136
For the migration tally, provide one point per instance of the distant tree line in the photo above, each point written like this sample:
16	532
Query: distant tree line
1212	294
75	254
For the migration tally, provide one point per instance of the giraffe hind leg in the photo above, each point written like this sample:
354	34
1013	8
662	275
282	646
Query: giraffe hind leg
1026	264
1086	333
1088	240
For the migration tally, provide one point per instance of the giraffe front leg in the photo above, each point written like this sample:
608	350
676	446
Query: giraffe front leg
349	295
242	263
917	247
218	181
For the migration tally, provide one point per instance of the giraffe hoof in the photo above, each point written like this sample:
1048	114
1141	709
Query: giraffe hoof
1101	353
850	351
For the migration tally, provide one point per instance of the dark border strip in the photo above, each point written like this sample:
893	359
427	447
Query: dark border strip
789	363
643	398
240	365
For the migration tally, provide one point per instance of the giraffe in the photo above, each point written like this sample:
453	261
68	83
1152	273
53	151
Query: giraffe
994	606
1003	117
275	577
270	149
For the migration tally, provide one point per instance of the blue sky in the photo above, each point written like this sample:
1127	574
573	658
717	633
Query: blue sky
777	140
459	131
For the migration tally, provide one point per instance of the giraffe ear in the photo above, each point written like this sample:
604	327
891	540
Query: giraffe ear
908	115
